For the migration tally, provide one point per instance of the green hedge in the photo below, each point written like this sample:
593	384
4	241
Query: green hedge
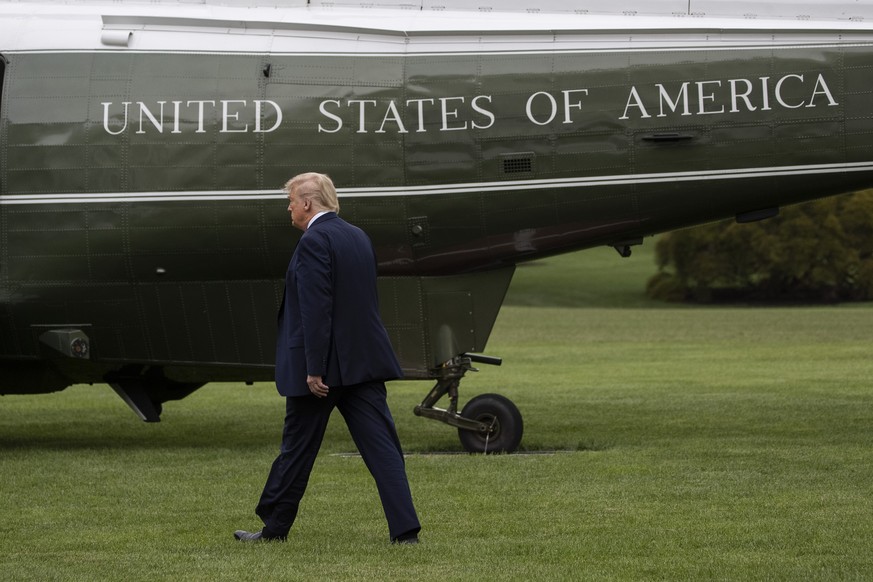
820	252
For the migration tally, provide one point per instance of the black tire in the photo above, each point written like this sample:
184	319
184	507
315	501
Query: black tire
502	415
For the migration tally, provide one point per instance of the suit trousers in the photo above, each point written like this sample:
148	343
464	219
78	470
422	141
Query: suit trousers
365	410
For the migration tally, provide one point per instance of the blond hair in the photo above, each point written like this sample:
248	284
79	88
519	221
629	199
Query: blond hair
316	187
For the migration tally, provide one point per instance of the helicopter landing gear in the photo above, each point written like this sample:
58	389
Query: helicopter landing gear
489	423
145	390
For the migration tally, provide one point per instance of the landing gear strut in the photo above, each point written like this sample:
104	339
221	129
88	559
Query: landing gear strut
146	389
489	423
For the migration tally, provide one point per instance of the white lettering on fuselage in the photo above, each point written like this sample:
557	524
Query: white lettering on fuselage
477	112
444	113
731	96
158	117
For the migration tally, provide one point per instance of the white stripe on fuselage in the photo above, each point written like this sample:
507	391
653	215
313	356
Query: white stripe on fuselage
636	46
443	189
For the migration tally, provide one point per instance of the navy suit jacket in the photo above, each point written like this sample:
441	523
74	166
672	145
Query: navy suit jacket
329	323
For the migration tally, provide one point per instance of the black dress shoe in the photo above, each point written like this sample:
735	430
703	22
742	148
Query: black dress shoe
410	539
247	536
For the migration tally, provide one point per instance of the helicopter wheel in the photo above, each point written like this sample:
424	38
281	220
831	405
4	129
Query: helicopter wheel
503	418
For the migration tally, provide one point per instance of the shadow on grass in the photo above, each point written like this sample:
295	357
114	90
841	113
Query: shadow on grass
594	446
95	435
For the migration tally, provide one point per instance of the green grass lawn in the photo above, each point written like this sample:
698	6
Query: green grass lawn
666	444
596	277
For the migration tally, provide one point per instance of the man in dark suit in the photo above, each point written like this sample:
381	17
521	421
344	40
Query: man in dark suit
332	352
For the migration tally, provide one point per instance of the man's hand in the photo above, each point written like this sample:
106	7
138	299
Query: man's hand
316	386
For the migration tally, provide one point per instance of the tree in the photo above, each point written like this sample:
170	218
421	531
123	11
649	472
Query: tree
816	252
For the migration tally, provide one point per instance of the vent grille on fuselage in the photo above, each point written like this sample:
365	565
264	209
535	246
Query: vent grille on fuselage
516	164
